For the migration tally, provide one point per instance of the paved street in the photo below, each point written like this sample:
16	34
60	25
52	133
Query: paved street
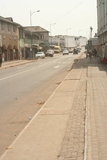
20	80
24	89
72	122
57	130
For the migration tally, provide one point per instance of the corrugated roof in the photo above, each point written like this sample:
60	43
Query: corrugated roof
9	20
35	29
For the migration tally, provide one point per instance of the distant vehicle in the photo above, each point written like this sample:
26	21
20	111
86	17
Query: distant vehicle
40	55
65	52
50	53
70	50
75	51
79	49
57	49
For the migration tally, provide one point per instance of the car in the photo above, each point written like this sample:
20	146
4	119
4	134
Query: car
75	51
79	49
65	52
50	53
70	50
40	55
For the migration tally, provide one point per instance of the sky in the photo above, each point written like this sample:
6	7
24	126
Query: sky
62	17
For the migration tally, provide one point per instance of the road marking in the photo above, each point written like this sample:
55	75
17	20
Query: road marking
14	75
56	67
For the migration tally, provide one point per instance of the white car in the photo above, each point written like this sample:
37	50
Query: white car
40	55
50	53
65	52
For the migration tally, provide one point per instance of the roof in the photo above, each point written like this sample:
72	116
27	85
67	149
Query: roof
9	20
35	29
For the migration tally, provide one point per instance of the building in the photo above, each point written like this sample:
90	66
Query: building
39	34
102	27
82	41
9	38
68	41
36	38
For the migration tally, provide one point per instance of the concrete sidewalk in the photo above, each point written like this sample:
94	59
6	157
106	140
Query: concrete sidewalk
57	130
96	124
14	63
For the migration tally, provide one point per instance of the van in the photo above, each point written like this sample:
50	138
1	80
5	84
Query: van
57	49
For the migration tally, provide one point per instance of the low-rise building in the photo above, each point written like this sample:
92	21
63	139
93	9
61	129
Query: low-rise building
36	38
66	41
9	38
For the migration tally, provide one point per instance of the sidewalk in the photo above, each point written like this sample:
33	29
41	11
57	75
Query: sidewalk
14	63
96	140
71	125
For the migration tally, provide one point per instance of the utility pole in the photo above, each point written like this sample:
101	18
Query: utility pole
91	30
52	24
31	13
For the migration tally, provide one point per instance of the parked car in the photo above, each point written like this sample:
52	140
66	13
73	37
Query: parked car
40	55
65	52
50	53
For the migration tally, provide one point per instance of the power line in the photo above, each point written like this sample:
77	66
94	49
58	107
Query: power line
70	11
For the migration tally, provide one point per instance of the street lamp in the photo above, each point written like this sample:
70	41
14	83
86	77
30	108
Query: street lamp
52	24
31	13
91	30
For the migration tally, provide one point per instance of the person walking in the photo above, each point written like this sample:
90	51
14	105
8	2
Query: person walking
0	59
94	52
90	54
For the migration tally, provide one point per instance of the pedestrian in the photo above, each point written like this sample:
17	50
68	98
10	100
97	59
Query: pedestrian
90	54
87	54
0	59
94	52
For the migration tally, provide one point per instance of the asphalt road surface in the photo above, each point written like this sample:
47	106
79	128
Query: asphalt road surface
24	89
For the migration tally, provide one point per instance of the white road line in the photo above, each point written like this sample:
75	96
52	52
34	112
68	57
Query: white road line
56	67
14	75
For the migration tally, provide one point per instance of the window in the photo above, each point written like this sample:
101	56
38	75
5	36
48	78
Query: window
9	27
14	28
2	25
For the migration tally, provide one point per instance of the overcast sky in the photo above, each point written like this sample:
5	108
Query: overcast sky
72	17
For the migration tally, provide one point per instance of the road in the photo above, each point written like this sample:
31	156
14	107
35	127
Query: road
23	90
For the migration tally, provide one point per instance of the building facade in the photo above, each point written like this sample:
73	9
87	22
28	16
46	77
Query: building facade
9	38
102	27
18	42
66	41
36	38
